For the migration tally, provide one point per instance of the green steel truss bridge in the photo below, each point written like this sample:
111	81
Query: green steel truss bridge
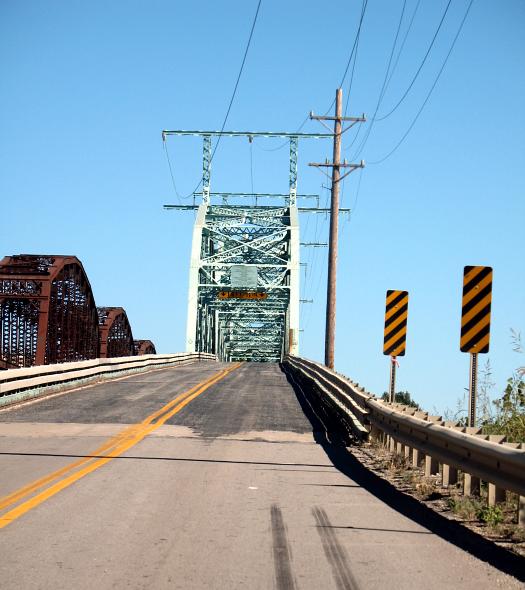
243	300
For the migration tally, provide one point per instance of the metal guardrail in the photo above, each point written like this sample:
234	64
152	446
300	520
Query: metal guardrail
26	383
337	391
423	438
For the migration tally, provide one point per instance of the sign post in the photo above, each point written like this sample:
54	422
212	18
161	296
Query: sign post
393	379
475	324
394	345
473	389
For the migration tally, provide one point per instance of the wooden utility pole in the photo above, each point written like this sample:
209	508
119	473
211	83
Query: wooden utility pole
329	338
336	166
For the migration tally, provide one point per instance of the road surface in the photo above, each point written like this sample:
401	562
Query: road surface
229	486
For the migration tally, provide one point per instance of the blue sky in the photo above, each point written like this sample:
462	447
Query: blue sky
88	87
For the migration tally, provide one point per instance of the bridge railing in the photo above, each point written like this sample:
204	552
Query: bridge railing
21	384
440	446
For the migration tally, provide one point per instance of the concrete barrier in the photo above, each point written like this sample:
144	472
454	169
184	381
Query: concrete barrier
18	385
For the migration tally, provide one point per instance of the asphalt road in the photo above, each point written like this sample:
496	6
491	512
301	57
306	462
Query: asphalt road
232	485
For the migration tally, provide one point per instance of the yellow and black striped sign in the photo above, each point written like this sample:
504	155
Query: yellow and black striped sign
396	317
475	312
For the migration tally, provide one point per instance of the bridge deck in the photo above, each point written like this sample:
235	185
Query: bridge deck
232	491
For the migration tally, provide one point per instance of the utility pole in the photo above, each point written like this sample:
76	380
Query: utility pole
336	166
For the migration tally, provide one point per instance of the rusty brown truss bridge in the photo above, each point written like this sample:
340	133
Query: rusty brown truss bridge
48	315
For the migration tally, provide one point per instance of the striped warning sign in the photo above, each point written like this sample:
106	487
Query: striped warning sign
475	312
396	317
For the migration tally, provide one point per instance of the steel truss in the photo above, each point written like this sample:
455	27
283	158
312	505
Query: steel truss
116	338
48	315
266	238
233	234
47	311
144	347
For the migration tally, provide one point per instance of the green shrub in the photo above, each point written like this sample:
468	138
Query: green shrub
491	515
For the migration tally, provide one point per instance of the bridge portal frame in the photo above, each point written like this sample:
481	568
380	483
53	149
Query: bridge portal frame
266	237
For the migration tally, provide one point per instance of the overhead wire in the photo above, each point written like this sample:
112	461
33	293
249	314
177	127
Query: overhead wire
279	147
349	93
230	103
179	197
402	46
431	88
237	81
383	117
354	206
356	41
353	54
383	87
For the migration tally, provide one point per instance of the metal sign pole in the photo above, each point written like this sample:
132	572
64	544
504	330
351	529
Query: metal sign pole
392	379
473	389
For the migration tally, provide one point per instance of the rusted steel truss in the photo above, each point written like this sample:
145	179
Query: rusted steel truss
144	347
116	338
48	315
47	311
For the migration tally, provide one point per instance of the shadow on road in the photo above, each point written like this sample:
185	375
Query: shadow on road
334	439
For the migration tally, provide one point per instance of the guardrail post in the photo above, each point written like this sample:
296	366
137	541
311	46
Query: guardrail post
471	485
450	476
399	448
496	494
391	444
406	452
431	466
417	457
521	511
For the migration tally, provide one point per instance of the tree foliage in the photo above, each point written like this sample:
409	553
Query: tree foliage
402	397
508	414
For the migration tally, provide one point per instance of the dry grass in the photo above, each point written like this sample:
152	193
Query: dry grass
496	523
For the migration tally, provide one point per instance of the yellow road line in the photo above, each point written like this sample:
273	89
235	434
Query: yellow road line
119	444
130	431
33	486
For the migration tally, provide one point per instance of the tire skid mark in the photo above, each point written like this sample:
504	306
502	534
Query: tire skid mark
282	554
334	551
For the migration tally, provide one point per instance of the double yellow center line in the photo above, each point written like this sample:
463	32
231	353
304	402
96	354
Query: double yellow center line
113	447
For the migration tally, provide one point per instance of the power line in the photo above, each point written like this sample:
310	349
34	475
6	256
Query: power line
280	147
383	87
407	32
229	106
353	65
238	79
353	140
430	91
420	65
171	172
356	41
354	207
